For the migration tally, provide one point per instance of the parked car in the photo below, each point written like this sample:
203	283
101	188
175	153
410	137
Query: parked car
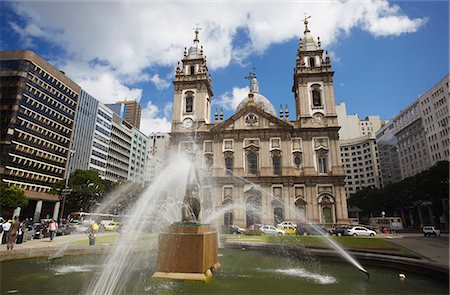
63	229
311	229
361	231
340	231
288	229
272	230
430	230
287	223
112	226
234	229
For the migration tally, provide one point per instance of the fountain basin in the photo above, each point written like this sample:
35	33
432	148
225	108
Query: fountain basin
243	272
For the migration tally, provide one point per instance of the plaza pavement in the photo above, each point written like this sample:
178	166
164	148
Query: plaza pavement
434	249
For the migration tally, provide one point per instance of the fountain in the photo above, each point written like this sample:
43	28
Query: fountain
189	250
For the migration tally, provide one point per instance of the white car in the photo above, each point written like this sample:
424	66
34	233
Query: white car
272	230
287	223
430	230
361	231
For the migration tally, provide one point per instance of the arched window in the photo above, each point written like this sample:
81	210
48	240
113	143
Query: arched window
317	101
298	160
252	163
192	70
312	62
189	102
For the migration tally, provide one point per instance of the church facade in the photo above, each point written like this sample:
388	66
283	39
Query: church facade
258	167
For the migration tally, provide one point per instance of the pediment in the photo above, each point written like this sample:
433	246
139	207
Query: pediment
244	119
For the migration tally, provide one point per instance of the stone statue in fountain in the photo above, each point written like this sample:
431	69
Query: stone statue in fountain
191	204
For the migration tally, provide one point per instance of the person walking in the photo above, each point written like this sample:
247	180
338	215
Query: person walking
53	227
22	232
6	226
13	233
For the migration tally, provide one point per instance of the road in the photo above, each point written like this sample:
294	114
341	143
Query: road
435	249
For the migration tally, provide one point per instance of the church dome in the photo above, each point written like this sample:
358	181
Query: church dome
261	101
258	98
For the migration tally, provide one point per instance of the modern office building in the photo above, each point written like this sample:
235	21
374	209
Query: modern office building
129	110
433	106
388	155
412	143
359	151
101	140
119	150
158	148
138	157
38	106
83	133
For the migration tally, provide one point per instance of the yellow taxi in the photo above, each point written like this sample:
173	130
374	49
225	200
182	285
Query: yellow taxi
112	226
290	230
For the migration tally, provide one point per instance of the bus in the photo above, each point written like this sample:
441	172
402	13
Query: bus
391	223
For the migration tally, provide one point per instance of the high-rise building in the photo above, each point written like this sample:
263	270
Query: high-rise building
83	133
412	144
101	140
38	106
359	150
119	150
296	161
388	155
158	147
138	157
433	106
129	110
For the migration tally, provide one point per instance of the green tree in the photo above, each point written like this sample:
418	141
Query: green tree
12	196
87	190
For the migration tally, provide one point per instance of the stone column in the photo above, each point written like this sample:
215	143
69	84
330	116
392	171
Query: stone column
56	211
37	211
430	214
420	216
17	212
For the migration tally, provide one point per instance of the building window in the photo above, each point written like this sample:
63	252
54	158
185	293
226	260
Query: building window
322	163
312	62
192	68
317	101
229	164
208	161
298	160
276	162
189	102
252	163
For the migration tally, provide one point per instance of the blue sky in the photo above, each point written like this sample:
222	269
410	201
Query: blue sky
384	54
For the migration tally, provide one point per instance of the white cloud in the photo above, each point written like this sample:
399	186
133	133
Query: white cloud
128	37
230	101
153	121
160	84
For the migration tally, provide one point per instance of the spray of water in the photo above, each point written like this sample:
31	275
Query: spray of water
158	207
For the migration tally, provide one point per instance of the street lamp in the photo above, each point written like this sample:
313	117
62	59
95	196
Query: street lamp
66	190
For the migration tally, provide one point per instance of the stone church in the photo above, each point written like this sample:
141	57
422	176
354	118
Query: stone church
257	167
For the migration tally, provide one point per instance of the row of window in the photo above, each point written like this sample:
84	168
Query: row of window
39	141
13	171
50	100
54	112
38	153
36	164
29	186
55	91
44	131
44	120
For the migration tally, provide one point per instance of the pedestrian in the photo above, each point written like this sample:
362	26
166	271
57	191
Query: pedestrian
13	233
22	232
93	230
53	227
6	226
